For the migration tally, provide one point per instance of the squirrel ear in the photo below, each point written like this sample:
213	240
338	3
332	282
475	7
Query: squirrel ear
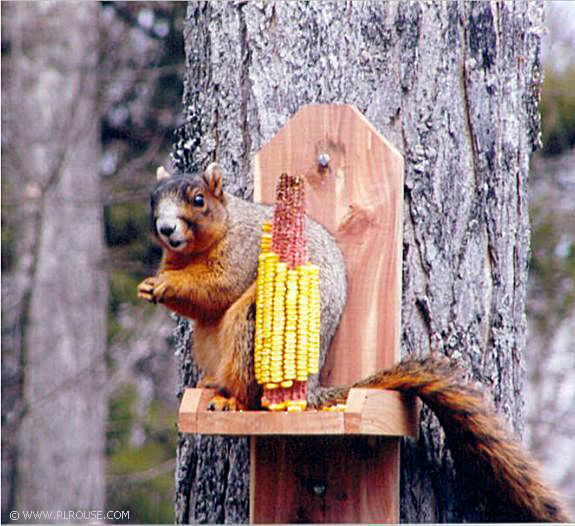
213	178
162	173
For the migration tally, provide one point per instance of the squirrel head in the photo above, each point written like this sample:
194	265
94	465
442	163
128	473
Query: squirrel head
189	211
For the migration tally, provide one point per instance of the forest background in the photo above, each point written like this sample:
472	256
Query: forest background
140	76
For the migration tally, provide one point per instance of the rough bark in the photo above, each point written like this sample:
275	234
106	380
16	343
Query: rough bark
58	305
454	85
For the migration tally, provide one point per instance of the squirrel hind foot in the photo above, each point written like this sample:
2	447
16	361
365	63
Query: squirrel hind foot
220	402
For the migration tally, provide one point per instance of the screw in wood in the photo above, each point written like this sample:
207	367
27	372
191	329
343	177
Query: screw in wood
319	488
323	160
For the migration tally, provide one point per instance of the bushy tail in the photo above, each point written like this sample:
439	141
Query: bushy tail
478	439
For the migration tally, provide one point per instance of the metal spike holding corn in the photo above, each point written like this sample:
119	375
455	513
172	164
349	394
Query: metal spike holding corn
287	336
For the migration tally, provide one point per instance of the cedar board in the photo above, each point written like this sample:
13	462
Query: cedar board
358	197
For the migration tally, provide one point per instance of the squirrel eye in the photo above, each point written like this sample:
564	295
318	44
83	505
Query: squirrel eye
198	200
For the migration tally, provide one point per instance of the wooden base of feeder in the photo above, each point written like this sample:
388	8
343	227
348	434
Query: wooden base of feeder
323	466
368	412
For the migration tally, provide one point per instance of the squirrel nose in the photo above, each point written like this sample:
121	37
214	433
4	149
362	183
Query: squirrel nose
166	230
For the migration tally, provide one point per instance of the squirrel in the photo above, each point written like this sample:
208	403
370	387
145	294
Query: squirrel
208	272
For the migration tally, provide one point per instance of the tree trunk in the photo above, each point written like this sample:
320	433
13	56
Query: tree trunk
454	86
59	307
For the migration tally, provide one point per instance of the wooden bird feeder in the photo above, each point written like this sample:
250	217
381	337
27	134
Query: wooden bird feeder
336	467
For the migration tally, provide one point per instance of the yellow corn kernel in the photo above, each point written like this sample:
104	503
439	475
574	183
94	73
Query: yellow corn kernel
269	263
266	243
259	333
294	408
314	321
296	405
278	323
335	407
303	323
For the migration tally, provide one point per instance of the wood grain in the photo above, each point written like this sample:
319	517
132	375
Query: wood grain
358	198
381	412
190	406
324	479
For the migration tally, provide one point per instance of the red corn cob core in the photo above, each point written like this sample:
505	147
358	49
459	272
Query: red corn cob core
288	231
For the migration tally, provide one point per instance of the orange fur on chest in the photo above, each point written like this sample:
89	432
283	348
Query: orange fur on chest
199	287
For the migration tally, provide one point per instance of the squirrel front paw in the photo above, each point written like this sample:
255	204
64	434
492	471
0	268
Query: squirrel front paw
146	289
154	289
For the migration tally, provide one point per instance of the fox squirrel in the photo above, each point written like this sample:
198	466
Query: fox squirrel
210	243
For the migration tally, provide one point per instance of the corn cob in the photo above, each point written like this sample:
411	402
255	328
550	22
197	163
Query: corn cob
287	304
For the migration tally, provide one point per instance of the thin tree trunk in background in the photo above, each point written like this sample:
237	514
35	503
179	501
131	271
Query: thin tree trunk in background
550	399
454	86
51	160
